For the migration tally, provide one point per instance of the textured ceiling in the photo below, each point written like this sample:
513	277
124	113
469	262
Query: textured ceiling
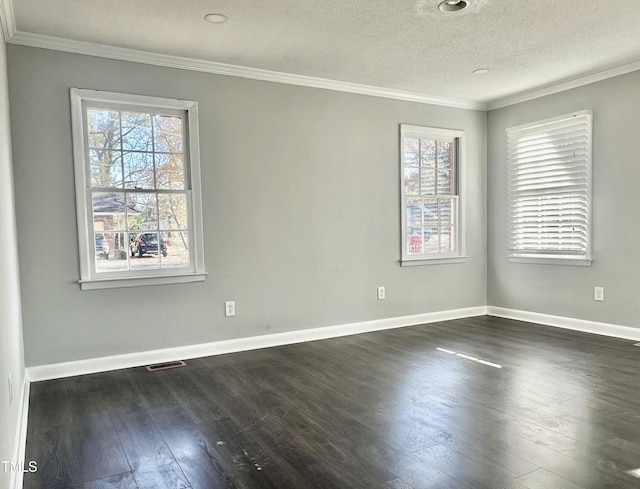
406	45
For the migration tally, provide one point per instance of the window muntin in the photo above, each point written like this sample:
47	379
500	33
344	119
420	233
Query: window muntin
549	188
430	193
137	173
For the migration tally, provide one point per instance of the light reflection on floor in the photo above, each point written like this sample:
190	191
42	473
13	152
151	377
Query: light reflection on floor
469	357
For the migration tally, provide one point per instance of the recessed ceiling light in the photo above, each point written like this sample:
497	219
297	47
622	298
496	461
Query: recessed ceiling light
481	71
216	18
453	5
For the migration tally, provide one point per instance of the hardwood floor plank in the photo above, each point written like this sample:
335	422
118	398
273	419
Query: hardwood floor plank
464	469
55	449
195	454
543	479
379	410
149	457
119	481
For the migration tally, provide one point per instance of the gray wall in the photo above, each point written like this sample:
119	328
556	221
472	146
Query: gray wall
11	356
301	212
565	290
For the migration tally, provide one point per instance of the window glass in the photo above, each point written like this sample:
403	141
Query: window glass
429	169
144	215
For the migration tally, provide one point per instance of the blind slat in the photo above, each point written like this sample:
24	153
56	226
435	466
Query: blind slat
549	186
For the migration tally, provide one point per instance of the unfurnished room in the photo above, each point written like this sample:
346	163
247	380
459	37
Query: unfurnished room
319	245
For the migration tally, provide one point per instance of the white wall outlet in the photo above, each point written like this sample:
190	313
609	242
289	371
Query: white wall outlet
598	294
230	308
382	294
10	391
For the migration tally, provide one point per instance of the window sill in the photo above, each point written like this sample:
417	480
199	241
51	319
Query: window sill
121	282
547	260
433	261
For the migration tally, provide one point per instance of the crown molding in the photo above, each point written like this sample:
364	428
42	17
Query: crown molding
164	60
562	86
13	36
7	19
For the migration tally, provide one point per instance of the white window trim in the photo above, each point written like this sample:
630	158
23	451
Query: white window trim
89	279
559	259
460	256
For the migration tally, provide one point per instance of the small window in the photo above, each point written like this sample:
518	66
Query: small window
549	190
137	189
431	181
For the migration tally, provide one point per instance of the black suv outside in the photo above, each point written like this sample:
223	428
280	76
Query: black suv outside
147	244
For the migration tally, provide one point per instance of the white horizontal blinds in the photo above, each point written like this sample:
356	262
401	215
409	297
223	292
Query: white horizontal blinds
549	187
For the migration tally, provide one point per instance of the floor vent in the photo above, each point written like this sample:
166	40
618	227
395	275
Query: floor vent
164	366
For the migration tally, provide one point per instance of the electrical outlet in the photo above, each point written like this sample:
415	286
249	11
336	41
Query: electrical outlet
381	293
230	308
598	294
10	391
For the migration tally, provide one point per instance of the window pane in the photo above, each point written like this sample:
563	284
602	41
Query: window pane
138	170
411	181
108	211
447	223
445	183
167	133
104	129
110	254
105	168
446	212
131	244
414	226
170	171
146	205
431	214
120	245
411	150
173	211
445	154
428	152
101	246
414	243
136	132
446	239
177	243
428	182
145	250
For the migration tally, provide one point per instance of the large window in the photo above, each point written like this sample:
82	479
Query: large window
549	190
431	181
137	189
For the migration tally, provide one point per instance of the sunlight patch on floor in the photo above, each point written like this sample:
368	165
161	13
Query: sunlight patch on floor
473	359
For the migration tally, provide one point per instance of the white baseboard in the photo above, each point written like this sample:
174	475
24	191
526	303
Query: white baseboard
606	329
115	362
20	444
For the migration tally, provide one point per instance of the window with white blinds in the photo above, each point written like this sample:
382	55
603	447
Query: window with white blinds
549	188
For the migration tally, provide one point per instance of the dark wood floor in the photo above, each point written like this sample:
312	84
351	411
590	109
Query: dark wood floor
378	410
